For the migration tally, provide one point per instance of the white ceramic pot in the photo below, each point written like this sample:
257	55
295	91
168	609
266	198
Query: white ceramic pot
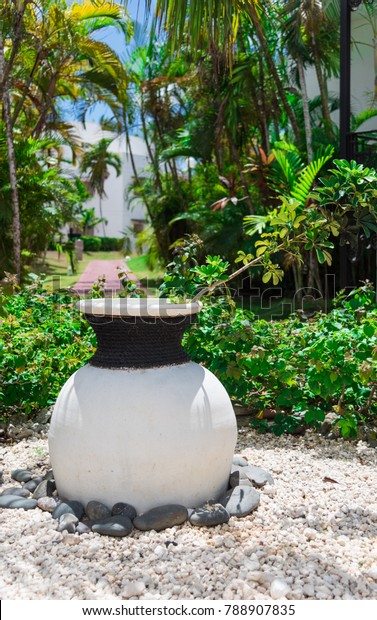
141	423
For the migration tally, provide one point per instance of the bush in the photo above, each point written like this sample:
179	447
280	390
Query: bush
298	371
43	340
111	244
92	244
106	244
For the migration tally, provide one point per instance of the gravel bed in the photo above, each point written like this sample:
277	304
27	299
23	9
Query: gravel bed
314	536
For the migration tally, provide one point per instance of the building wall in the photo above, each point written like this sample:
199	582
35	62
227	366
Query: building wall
362	70
118	206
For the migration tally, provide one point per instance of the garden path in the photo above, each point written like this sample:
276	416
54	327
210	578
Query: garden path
99	268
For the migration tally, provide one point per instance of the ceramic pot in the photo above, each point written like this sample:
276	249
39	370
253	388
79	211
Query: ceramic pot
141	423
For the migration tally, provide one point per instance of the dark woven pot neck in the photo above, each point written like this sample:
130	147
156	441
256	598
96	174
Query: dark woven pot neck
138	342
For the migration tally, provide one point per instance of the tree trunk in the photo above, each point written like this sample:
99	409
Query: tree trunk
237	161
101	215
266	52
153	159
305	107
16	227
322	86
16	42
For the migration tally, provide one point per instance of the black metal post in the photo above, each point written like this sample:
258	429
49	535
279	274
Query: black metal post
345	111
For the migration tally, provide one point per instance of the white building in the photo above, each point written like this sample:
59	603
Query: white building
363	68
121	210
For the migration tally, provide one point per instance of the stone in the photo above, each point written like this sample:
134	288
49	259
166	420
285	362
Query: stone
49	475
43	416
240	501
67	522
71	539
44	489
26	504
19	491
83	528
372	572
115	525
256	475
68	506
21	475
126	510
96	511
24	434
239	460
32	484
279	589
47	503
308	590
134	588
6	500
209	515
161	517
235	479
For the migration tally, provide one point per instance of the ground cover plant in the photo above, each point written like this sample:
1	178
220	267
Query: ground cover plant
295	371
43	340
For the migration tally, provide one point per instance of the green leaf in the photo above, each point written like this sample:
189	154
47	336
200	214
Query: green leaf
368	330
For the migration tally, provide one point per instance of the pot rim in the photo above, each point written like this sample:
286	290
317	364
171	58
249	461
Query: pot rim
146	307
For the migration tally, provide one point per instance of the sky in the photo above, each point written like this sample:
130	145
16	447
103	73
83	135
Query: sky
115	39
111	36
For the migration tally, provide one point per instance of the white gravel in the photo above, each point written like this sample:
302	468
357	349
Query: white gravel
312	537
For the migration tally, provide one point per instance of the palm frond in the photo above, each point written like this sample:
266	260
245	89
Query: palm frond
359	119
308	175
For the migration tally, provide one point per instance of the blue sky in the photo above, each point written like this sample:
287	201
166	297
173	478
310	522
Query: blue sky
136	10
115	39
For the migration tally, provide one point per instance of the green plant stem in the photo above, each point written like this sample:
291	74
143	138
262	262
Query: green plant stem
256	261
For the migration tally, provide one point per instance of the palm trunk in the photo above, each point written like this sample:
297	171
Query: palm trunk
322	86
16	42
266	52
152	157
305	107
16	227
236	158
101	215
137	178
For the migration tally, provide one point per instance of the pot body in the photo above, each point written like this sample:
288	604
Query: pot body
146	436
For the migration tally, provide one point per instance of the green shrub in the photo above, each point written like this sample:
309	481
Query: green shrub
106	244
111	244
300	370
92	244
43	340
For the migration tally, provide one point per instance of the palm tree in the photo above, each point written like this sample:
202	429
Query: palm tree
48	54
11	26
88	220
16	227
61	60
96	161
217	22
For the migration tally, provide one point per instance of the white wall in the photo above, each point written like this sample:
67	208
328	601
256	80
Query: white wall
117	206
362	70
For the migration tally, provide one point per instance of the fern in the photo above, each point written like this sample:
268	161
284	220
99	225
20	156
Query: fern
304	183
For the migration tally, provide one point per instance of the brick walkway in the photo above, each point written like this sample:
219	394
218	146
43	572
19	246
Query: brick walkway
100	268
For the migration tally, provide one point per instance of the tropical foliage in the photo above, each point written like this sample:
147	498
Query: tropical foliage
49	56
292	373
224	109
